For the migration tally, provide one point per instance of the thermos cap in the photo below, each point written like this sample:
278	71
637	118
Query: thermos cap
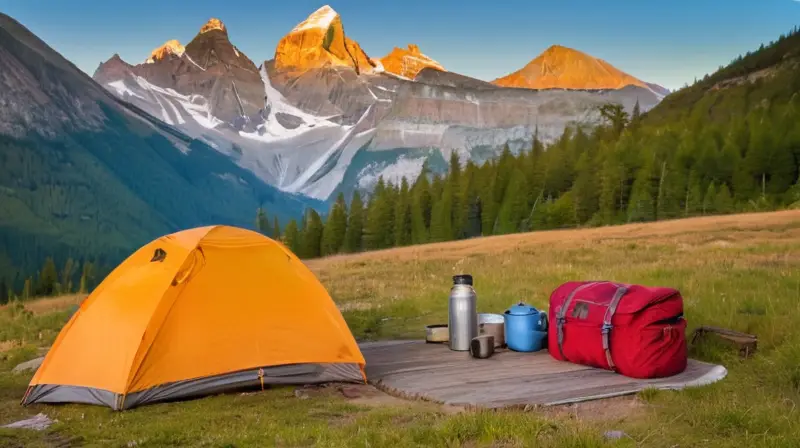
463	279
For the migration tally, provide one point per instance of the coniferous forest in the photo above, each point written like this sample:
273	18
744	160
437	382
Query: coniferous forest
727	143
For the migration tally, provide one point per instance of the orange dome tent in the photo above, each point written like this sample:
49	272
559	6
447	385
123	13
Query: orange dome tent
197	312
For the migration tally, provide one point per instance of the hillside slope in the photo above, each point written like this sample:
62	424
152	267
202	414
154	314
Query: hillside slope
768	73
85	175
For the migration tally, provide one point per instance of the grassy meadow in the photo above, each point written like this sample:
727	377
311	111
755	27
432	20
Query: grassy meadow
738	271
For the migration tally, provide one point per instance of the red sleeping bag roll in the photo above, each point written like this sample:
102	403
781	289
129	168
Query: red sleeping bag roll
634	330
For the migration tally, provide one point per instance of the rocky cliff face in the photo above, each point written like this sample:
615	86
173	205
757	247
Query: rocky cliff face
323	117
408	62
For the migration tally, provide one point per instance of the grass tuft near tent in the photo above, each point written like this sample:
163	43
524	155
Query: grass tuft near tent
740	272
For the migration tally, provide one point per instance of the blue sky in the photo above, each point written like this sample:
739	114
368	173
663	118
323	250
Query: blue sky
669	43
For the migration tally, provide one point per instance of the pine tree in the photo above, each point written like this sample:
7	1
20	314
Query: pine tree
276	228
291	237
615	116
709	200
458	210
3	291
402	216
391	194
87	275
670	193
514	208
536	168
585	192
489	205
421	208
355	225
611	180
561	213
442	218
728	161
770	165
27	289
470	219
66	276
560	163
539	218
335	228
642	205
312	235
707	162
262	222
503	170
636	115
723	203
48	279
694	196
378	232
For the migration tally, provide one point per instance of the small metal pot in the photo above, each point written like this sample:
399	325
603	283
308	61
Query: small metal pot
482	347
493	324
437	334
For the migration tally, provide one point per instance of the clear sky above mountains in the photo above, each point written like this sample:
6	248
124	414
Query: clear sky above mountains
669	43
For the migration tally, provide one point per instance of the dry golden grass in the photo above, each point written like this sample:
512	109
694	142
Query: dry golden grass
742	227
50	304
9	345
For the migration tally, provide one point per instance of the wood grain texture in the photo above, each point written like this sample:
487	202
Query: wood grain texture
415	369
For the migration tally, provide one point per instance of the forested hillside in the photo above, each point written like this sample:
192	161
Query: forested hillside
728	143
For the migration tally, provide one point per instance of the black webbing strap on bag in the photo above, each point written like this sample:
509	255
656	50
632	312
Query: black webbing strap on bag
612	308
562	312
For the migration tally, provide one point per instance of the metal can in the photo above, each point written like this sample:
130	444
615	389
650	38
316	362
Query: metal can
463	314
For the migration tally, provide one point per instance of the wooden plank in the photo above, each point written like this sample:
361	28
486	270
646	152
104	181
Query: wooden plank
508	378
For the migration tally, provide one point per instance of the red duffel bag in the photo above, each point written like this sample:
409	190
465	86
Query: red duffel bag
634	330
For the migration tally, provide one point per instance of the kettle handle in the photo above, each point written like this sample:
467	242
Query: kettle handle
543	320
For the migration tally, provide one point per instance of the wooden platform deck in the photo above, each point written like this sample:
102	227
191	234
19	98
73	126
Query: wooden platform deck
415	369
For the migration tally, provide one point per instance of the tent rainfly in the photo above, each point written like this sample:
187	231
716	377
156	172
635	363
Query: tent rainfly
198	312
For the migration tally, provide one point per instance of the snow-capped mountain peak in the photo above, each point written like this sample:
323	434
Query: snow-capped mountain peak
213	24
171	47
321	18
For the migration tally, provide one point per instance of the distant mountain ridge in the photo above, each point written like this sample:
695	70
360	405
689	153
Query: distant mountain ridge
561	67
323	116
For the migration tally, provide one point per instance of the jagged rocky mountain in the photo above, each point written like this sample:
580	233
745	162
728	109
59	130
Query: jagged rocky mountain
322	116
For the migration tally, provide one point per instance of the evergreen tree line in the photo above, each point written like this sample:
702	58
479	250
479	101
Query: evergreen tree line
618	172
73	277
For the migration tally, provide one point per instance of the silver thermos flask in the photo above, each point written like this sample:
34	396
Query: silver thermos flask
463	314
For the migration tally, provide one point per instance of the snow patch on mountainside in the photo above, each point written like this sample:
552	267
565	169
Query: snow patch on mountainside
405	166
271	130
192	61
168	100
122	89
321	18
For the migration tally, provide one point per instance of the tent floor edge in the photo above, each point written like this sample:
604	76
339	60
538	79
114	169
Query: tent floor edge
244	380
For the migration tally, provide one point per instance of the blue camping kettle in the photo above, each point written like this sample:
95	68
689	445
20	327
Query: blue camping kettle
525	328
